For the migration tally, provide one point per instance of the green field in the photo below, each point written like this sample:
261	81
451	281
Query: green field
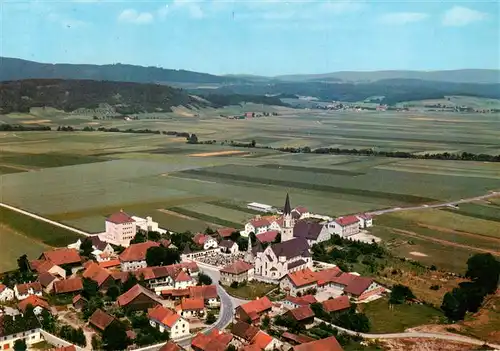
251	290
81	177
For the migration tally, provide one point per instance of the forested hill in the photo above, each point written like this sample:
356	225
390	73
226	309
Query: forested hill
70	95
15	69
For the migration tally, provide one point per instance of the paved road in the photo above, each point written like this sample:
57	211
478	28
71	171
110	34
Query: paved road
452	203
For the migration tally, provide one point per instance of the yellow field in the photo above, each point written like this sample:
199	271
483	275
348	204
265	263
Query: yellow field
217	153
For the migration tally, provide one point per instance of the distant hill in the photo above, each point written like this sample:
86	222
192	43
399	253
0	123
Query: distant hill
16	69
69	95
481	76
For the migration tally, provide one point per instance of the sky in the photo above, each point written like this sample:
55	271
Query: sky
261	37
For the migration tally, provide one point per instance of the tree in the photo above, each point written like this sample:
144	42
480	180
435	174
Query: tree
277	239
113	292
211	318
20	345
231	347
139	237
474	295
47	320
90	288
171	256
115	337
193	139
90	307
400	293
130	282
234	285
235	236
484	269
204	279
454	304
253	238
252	143
266	321
24	264
96	342
242	243
155	256
86	247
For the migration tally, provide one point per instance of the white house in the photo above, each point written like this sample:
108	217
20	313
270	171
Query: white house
300	212
257	226
26	327
165	319
365	221
228	247
148	225
299	282
6	293
120	229
206	241
134	256
23	291
277	260
346	226
191	308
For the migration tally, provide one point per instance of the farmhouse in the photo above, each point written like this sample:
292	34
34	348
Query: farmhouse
328	344
165	319
216	340
6	293
79	302
100	320
362	288
120	229
302	315
43	266
238	271
147	225
23	291
27	327
298	282
225	233
295	302
64	257
138	298
336	305
175	276
206	292
134	256
191	307
278	260
311	230
206	241
170	346
243	333
228	247
68	286
252	311
346	226
47	281
98	274
257	226
300	212
365	221
39	304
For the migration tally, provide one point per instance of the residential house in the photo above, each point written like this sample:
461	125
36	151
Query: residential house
362	288
365	221
102	246
22	291
63	257
327	344
191	307
295	339
267	237
47	281
165	319
68	286
225	233
300	212
252	311
303	315
243	334
134	256
79	302
44	266
337	305
100	275
228	247
346	226
39	304
312	230
120	229
175	276
215	340
6	293
297	283
26	327
138	298
264	341
277	260
238	271
170	346
257	225
100	320
295	302
208	293
111	264
206	241
148	225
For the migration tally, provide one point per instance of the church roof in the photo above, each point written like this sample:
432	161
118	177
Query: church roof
307	229
292	248
287	209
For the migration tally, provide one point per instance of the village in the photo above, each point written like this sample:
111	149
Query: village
138	286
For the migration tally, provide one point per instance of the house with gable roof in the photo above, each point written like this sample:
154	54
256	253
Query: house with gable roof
165	319
299	282
192	307
327	344
295	301
120	229
134	256
6	293
257	225
23	291
39	304
365	221
238	271
215	340
251	312
346	226
175	276
100	275
229	247
138	298
206	241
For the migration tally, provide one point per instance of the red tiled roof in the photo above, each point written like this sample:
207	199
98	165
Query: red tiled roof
120	218
345	221
262	340
163	315
65	348
170	346
267	237
244	330
365	216
192	304
301	313
252	347
303	277
299	339
344	279
327	275
358	285
100	319
62	256
201	238
300	209
34	301
45	266
338	304
129	296
23	288
225	232
257	306
137	252
110	263
78	298
121	276
328	344
260	222
45	278
68	286
205	292
2	287
237	267
215	341
96	273
301	301
183	277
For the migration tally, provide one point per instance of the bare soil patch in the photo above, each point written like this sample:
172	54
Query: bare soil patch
459	232
423	344
217	153
418	254
36	121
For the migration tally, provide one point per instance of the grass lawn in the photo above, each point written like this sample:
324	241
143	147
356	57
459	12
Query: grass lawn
49	159
400	317
8	170
251	290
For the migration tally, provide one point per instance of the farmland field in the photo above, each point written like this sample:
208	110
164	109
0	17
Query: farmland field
81	177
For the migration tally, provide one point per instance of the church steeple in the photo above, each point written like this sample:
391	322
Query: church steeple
288	208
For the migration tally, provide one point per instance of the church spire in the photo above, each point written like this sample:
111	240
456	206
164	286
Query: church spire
288	208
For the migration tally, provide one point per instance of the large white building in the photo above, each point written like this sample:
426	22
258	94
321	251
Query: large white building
148	225
120	229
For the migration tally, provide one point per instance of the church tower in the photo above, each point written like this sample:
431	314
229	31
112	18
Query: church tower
249	258
288	221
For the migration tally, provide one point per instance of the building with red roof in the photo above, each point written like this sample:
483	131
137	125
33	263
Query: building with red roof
365	220
205	241
68	286
252	311
98	274
166	320
238	271
327	344
297	339
134	256
336	305
225	233
62	257
79	302
303	314
191	307
265	341
100	320
267	237
216	340
39	304
23	291
299	282
362	288
208	293
120	229
138	298
170	346
6	293
174	276
346	226
295	301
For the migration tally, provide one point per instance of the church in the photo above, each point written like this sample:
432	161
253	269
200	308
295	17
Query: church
277	260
